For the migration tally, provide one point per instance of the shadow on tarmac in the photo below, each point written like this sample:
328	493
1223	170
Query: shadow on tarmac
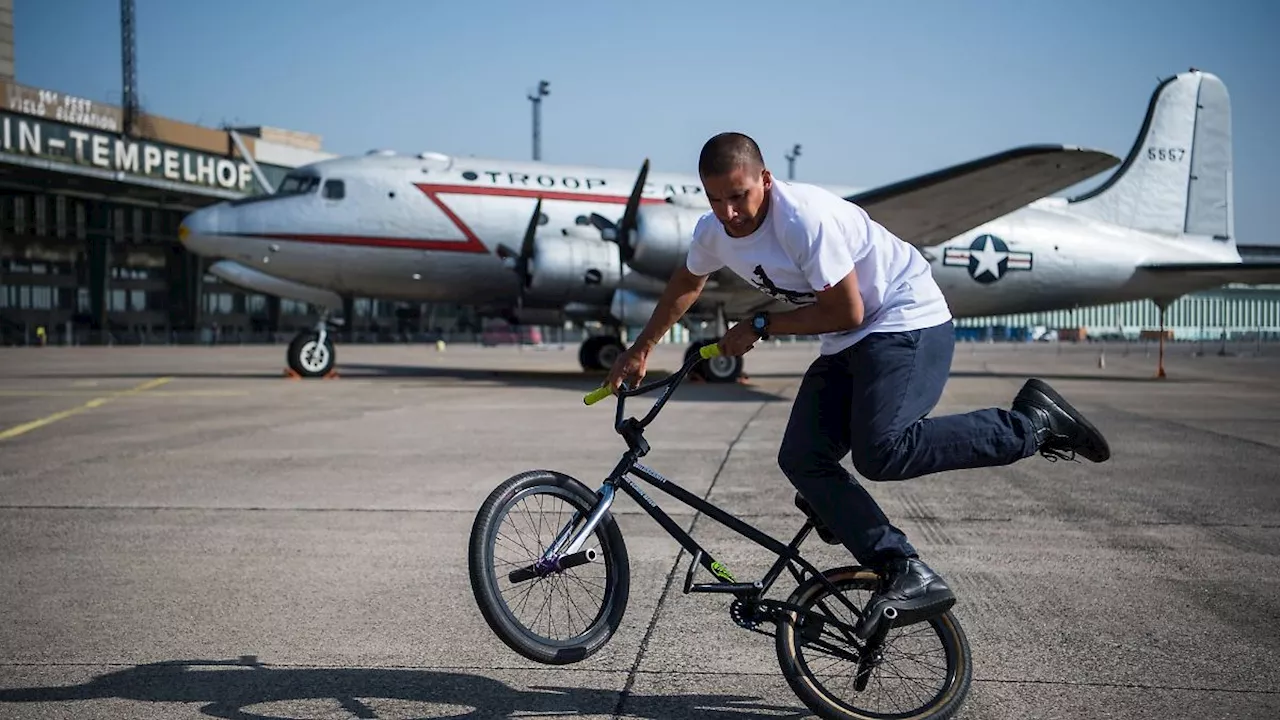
233	688
689	390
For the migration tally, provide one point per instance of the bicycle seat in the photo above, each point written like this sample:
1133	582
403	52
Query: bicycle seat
822	530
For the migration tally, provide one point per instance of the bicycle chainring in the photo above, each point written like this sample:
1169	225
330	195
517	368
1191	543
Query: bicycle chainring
746	613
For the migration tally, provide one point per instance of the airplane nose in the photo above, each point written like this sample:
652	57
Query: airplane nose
199	230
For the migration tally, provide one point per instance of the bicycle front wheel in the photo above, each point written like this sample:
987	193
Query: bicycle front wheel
552	616
924	671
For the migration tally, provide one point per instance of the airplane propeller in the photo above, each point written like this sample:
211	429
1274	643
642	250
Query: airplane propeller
520	261
620	232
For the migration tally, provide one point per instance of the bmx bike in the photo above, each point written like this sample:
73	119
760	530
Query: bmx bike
570	544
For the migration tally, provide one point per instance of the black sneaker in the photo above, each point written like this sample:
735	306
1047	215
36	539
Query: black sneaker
916	592
1061	431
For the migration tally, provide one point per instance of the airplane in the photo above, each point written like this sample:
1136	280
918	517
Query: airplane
544	243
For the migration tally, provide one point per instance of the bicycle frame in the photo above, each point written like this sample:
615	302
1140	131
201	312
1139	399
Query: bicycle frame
629	467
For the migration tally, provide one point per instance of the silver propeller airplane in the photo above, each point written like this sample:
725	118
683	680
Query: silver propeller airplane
544	243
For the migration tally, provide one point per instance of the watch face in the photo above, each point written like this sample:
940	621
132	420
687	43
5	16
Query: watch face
758	322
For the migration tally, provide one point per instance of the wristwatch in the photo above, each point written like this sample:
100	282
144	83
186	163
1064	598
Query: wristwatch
760	323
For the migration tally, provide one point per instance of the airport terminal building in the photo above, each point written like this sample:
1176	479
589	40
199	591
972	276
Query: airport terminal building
89	217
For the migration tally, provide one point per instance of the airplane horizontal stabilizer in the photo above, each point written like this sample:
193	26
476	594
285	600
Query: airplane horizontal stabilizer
929	209
1248	273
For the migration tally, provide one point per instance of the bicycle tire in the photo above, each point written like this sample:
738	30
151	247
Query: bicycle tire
484	583
944	704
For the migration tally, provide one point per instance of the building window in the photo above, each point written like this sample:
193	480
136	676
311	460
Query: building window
19	215
41	205
81	221
60	216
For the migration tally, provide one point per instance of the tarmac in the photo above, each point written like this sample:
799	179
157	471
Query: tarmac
187	533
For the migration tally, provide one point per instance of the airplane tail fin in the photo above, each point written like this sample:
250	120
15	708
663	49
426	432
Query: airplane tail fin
1177	177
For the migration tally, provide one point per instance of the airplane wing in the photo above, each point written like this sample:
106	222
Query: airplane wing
932	208
1248	273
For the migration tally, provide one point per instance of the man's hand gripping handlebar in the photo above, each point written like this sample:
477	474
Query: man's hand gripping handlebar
706	352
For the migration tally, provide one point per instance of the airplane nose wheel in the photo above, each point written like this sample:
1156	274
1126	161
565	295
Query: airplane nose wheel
311	355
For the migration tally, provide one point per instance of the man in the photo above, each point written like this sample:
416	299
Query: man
887	343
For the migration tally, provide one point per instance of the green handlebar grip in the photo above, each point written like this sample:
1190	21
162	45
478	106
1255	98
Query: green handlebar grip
709	351
597	395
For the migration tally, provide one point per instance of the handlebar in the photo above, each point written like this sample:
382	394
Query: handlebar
706	352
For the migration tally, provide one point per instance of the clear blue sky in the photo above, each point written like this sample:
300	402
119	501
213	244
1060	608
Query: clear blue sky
874	92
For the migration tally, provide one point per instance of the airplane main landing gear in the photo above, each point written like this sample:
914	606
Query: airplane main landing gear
311	352
720	369
599	352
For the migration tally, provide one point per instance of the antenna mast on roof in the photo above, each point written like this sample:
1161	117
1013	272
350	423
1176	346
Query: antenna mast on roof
130	71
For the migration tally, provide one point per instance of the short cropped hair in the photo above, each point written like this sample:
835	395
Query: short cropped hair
727	151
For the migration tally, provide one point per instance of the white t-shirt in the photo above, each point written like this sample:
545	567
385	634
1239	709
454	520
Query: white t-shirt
809	241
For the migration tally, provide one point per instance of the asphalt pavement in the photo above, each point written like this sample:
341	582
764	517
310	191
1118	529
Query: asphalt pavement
188	533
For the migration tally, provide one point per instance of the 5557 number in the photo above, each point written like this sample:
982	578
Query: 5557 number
1166	154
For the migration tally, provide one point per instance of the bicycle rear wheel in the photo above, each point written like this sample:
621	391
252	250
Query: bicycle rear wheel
552	616
925	674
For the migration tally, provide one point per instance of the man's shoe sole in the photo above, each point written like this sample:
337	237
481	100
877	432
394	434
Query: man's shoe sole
1096	441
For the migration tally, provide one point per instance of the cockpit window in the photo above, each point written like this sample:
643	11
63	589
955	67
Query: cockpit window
298	185
334	189
293	184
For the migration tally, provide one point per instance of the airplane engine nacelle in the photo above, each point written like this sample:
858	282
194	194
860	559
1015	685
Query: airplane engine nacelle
662	237
565	269
632	309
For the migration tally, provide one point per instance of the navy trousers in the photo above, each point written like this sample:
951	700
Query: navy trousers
870	401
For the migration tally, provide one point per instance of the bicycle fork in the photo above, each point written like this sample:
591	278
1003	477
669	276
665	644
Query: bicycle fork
560	556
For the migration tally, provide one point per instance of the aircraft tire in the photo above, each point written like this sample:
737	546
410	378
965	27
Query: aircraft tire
599	351
716	370
308	358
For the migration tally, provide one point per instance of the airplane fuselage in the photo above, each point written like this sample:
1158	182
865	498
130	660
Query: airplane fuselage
407	229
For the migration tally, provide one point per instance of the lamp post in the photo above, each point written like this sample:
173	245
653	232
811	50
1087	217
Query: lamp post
536	99
791	162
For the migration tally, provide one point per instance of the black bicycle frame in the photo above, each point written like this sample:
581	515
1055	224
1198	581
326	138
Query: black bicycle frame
632	431
726	582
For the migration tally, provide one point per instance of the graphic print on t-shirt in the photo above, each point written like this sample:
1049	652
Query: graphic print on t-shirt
765	285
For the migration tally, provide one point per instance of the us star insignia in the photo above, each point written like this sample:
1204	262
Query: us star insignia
988	259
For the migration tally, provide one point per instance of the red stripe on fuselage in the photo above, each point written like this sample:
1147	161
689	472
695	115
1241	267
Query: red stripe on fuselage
523	193
387	242
472	243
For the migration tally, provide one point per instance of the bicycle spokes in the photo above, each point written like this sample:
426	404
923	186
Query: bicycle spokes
907	669
553	595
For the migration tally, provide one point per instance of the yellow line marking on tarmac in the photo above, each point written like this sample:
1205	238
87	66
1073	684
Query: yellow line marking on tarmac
158	393
94	403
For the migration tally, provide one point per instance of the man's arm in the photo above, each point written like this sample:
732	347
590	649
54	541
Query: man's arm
683	289
838	308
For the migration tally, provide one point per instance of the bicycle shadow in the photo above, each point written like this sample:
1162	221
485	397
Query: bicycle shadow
232	688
